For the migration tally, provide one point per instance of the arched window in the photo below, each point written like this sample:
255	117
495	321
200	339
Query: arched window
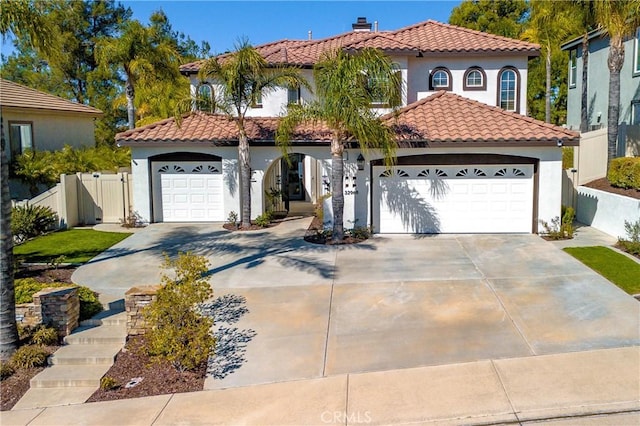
204	98
440	79
475	79
508	89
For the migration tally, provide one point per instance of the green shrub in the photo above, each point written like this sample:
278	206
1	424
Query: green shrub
29	356
560	228
45	336
360	232
631	244
90	305
108	383
6	370
232	219
180	333
624	172
263	220
567	157
30	221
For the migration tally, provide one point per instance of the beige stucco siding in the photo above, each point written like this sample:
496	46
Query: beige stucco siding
51	131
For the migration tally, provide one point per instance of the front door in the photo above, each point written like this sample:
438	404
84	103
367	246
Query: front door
293	182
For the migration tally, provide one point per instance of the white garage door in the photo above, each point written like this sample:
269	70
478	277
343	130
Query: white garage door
454	199
188	192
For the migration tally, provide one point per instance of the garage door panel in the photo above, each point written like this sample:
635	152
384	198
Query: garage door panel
450	199
189	192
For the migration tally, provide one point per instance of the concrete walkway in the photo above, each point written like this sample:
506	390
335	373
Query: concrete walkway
577	388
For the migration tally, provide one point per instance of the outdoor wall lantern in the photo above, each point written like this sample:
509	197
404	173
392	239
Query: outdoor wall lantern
360	162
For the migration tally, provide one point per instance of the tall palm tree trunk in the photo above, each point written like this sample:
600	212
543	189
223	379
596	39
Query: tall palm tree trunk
131	109
337	192
615	61
8	330
547	93
244	157
584	102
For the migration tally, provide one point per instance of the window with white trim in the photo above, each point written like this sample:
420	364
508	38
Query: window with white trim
508	90
440	79
474	79
573	67
204	100
635	112
20	137
293	96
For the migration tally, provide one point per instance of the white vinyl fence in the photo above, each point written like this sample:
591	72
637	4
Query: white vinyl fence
88	198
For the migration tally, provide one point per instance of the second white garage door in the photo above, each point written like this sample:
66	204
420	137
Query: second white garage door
453	199
188	192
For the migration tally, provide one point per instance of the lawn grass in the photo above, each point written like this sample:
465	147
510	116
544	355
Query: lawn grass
76	245
617	268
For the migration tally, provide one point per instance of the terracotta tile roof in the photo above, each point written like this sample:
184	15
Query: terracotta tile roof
435	37
442	118
18	96
445	117
428	37
214	129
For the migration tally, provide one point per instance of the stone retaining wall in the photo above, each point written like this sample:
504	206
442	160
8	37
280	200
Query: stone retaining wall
57	307
135	300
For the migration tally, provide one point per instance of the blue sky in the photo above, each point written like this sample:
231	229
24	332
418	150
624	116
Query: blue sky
222	23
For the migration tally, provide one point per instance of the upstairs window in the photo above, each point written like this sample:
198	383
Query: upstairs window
293	96
573	67
20	137
257	103
508	85
635	112
440	79
204	98
377	88
475	79
636	57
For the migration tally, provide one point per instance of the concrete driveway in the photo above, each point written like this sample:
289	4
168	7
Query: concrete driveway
289	310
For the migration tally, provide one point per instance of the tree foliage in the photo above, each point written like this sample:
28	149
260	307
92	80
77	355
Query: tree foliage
180	333
347	85
240	79
506	18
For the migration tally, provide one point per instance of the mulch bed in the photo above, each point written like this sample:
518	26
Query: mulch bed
46	273
15	386
314	235
604	185
158	378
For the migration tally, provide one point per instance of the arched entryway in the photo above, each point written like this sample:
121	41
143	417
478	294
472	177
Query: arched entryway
293	184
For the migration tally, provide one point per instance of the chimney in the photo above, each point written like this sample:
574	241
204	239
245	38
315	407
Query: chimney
361	25
310	35
375	26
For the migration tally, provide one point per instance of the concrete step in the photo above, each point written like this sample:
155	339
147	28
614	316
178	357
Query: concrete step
103	335
63	376
106	318
85	354
44	397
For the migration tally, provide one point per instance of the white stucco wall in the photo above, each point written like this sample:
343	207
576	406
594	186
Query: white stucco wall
51	131
420	68
606	211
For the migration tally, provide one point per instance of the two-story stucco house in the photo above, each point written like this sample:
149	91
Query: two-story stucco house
598	85
469	160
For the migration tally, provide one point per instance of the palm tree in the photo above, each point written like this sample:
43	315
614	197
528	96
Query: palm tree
549	24
585	11
619	19
141	52
20	17
346	86
240	79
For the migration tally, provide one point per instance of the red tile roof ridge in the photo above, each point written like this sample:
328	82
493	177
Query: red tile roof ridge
532	46
386	36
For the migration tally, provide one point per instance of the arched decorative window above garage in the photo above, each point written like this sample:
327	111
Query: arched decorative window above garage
440	79
475	79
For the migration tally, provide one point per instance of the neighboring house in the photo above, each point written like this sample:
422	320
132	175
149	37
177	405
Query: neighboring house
469	160
36	120
598	87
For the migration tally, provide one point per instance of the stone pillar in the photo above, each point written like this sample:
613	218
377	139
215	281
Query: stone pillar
135	300
59	308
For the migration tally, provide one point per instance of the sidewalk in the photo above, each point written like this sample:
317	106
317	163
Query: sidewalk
571	388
